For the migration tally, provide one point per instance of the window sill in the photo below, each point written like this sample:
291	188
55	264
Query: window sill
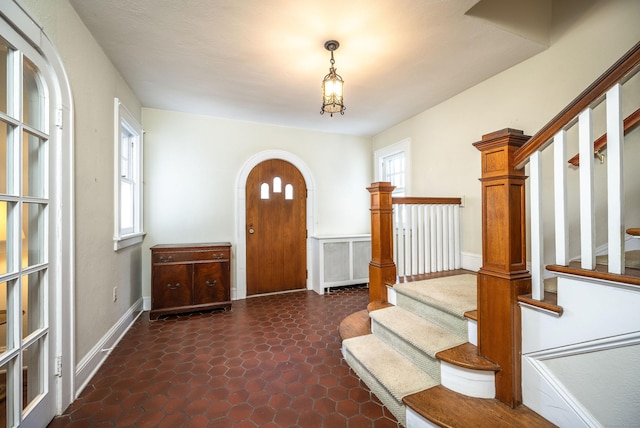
120	242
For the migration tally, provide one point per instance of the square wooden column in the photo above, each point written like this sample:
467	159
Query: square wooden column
382	269
504	274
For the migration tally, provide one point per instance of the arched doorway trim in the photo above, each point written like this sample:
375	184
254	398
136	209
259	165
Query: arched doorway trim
62	201
241	243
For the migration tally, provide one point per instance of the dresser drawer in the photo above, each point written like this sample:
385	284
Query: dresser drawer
201	254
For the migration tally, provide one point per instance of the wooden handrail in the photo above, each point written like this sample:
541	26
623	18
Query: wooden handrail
417	200
629	124
597	89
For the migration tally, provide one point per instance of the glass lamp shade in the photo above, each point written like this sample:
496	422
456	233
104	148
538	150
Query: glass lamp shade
332	100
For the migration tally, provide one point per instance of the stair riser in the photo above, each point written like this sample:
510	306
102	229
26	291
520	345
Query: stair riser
458	325
425	362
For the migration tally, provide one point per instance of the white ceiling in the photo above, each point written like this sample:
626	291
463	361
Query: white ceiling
263	60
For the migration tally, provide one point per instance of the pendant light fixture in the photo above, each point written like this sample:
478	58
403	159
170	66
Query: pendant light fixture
332	85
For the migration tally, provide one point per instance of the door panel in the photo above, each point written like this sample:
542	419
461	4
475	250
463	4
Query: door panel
276	228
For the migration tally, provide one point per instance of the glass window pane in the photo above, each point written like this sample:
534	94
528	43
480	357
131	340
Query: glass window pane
3	396
4	66
32	302
264	191
4	137
33	371
126	206
277	185
288	192
32	96
3	237
3	319
125	155
34	158
33	230
10	316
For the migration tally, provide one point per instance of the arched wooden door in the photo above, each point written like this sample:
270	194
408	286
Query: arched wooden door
276	210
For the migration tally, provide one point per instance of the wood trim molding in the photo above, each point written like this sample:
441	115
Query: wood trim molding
416	200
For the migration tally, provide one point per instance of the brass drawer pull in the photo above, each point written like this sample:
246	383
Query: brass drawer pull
166	260
173	287
218	255
212	284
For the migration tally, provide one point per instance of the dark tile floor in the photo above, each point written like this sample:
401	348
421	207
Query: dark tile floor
271	361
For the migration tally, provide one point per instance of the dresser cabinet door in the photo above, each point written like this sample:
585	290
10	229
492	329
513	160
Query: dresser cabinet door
172	286
210	283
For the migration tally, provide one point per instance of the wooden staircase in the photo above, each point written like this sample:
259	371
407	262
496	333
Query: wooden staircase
441	405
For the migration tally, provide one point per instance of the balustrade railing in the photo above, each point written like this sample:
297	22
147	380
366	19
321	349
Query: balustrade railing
426	235
608	89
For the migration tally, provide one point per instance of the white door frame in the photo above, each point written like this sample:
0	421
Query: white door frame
241	236
61	271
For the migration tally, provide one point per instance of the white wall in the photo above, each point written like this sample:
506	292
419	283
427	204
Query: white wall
94	84
192	163
526	96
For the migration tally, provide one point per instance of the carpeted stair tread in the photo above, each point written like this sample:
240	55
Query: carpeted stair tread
424	335
398	376
452	294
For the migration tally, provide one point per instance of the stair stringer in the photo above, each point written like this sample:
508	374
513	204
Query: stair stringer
600	327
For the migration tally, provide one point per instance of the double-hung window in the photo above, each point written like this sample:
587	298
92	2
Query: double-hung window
128	180
393	164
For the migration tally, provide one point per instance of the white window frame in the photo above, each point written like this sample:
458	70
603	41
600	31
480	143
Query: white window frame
384	153
124	121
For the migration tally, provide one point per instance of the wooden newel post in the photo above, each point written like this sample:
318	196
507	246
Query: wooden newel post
382	269
504	274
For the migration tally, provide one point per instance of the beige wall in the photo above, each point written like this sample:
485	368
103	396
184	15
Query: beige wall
94	84
525	97
192	163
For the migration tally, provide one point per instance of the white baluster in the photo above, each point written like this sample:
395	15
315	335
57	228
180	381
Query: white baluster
433	239
587	207
444	249
537	243
414	240
421	244
615	185
438	238
560	197
428	267
456	231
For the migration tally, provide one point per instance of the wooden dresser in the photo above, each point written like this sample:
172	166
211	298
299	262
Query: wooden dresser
189	277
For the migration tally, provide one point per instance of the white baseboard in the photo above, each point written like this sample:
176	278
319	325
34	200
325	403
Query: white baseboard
146	303
472	262
89	365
